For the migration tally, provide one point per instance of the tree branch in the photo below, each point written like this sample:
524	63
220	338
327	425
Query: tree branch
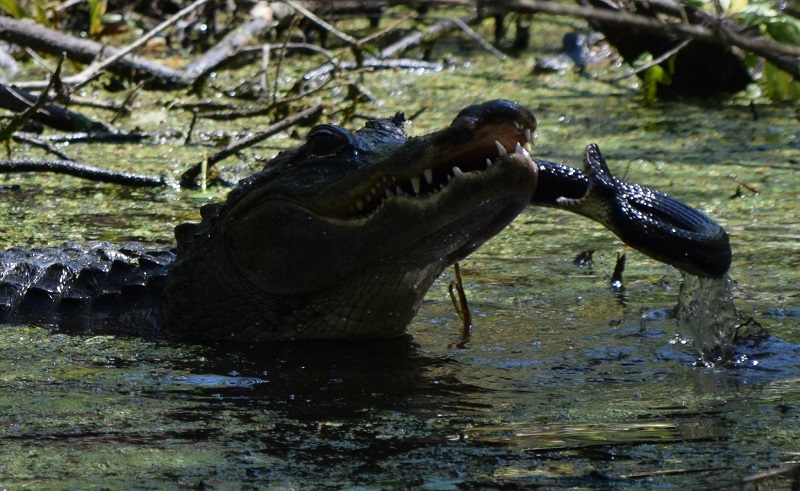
785	56
79	170
40	38
189	176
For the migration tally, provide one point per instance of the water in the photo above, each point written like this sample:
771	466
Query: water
707	316
558	385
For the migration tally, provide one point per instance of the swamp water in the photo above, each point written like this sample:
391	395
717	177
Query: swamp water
559	386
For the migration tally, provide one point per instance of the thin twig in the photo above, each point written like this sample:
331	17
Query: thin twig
321	23
266	54
95	104
459	299
33	140
188	177
97	68
372	64
313	48
418	37
386	30
477	37
19	120
278	68
652	63
123	108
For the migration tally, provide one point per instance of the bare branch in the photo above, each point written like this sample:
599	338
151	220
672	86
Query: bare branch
652	63
188	177
350	40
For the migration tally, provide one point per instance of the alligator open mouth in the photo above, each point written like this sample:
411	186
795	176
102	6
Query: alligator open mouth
489	147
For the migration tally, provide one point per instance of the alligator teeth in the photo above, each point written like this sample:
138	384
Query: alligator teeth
523	147
416	183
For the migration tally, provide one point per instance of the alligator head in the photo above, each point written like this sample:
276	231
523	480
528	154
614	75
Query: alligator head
342	236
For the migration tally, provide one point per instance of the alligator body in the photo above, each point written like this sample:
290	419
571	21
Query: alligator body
342	236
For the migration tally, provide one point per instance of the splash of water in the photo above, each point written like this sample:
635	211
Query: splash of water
707	315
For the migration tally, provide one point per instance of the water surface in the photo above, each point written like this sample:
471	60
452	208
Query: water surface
564	383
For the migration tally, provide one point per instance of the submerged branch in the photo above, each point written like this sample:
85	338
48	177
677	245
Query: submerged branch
79	170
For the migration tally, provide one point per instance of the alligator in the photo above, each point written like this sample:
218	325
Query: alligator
341	237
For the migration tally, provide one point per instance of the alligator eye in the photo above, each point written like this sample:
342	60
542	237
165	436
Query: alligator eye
327	140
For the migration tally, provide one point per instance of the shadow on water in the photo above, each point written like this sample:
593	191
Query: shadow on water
324	379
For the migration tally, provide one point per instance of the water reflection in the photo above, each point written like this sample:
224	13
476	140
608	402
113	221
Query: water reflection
315	380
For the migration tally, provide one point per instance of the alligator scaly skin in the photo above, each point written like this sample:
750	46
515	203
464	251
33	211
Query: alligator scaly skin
81	287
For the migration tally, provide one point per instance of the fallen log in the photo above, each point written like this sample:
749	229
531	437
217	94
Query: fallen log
40	38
